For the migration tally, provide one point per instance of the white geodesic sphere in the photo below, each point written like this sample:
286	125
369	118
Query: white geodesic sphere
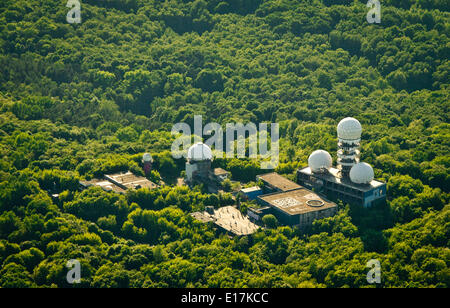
199	152
147	157
320	161
349	129
361	173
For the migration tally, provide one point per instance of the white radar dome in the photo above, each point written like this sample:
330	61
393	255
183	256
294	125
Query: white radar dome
320	161
349	129
361	173
147	157
199	152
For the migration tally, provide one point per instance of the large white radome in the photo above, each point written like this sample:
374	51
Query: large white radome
349	129
361	173
199	152
147	157
320	161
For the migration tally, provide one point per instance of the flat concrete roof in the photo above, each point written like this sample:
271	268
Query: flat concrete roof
230	219
201	216
130	180
104	184
220	171
333	176
120	182
251	189
278	181
298	201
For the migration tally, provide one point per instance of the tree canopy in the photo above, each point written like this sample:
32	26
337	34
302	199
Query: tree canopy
78	101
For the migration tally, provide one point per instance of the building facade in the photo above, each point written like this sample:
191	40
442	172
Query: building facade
298	207
336	187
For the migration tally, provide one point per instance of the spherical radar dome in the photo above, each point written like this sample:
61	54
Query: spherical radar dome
349	129
199	152
147	157
320	161
361	173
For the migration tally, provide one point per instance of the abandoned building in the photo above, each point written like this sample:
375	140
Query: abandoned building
228	219
198	166
352	181
119	182
290	203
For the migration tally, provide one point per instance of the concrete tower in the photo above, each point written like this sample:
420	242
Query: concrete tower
147	161
349	137
198	163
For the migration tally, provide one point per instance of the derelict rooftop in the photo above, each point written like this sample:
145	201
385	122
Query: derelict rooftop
299	207
104	184
129	180
220	171
120	182
250	189
333	176
275	182
297	201
228	218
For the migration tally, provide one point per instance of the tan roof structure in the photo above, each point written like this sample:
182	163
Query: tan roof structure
297	201
120	182
230	219
129	180
105	185
250	189
278	182
203	217
220	171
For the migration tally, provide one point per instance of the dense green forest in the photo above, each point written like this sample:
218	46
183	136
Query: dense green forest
81	100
